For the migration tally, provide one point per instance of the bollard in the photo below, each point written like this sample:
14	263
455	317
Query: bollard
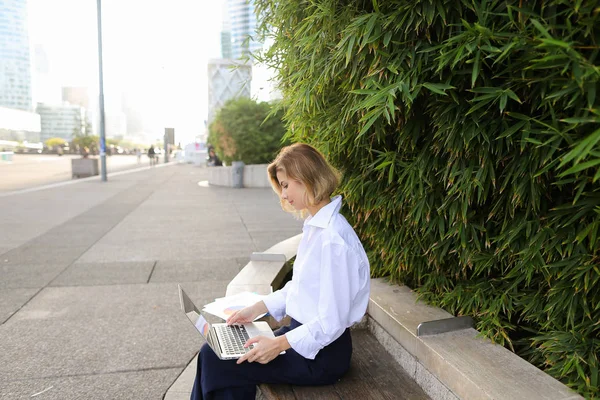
237	174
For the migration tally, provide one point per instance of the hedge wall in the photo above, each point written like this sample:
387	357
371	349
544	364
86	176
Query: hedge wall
468	133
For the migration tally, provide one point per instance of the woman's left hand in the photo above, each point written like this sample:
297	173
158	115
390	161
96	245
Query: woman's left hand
265	349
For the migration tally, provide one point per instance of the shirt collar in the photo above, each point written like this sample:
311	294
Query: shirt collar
323	216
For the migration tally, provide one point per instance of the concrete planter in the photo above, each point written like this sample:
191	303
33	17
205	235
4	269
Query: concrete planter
84	167
237	174
253	176
6	156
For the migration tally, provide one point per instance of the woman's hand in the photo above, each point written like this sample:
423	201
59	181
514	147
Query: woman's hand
265	349
247	314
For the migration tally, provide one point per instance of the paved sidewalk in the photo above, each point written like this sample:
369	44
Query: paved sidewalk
88	295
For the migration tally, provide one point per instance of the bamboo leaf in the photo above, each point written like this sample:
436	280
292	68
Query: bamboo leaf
513	96
585	120
366	127
580	167
554	42
349	49
503	100
582	149
386	38
475	71
438	88
540	28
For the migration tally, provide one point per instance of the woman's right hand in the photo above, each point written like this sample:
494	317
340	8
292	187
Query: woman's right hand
247	314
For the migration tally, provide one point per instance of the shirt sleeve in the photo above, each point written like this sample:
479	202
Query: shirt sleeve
275	302
339	283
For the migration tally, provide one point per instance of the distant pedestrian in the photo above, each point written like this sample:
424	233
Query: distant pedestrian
138	153
213	159
152	156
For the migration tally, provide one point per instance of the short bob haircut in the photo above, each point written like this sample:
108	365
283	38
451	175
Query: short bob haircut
303	163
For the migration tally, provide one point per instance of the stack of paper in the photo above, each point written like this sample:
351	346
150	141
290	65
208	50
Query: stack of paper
225	306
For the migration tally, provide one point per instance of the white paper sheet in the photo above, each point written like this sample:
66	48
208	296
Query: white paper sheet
223	307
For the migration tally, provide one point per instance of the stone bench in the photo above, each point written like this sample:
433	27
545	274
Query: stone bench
443	355
373	374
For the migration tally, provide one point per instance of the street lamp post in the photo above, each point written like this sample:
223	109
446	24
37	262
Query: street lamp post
101	99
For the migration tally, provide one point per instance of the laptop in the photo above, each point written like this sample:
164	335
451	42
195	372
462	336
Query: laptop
227	341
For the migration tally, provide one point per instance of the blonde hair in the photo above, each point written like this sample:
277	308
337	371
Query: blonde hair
303	163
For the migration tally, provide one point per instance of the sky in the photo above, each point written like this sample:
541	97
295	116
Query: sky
155	51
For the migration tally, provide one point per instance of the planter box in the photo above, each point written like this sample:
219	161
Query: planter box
84	167
6	156
254	176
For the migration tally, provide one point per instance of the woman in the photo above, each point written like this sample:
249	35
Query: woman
328	293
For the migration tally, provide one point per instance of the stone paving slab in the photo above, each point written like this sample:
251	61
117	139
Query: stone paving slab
13	299
47	254
134	385
118	273
182	388
102	329
73	235
221	269
88	333
144	250
20	276
174	234
34	214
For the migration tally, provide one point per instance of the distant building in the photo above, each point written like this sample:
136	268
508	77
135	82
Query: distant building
19	125
15	62
79	96
76	95
227	79
60	120
242	23
226	49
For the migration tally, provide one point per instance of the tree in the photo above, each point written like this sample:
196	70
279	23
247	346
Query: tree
86	141
245	130
54	142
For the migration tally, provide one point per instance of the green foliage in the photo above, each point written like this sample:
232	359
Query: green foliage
130	145
244	131
88	141
54	142
469	136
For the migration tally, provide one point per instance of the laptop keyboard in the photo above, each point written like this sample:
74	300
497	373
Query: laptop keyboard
234	337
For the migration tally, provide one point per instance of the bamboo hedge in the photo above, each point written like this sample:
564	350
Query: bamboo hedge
469	138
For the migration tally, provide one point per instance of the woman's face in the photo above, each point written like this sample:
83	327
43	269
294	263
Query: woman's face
292	191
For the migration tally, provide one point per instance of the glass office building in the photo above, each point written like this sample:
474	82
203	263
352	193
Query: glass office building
15	60
242	25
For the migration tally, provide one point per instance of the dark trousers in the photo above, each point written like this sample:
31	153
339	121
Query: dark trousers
218	379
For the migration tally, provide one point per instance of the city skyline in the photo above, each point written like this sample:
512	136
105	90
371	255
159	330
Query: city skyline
154	54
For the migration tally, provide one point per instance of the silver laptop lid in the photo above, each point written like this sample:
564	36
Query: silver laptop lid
189	308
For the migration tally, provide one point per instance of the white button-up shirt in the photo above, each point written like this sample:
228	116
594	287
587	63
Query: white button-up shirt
329	290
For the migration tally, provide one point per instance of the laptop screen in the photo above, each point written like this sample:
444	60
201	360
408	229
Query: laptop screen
188	307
